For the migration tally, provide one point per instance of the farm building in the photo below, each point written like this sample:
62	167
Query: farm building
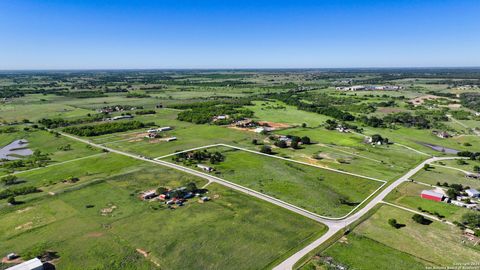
33	264
432	195
127	116
205	168
160	129
472	193
473	175
149	194
171	139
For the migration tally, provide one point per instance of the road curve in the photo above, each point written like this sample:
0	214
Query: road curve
333	225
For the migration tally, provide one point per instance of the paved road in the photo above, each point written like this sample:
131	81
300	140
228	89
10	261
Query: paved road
333	225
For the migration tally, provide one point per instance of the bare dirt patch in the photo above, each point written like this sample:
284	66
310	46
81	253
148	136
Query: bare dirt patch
95	234
24	209
274	125
143	252
108	210
25	226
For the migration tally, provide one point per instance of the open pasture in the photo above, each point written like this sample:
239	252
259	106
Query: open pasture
321	191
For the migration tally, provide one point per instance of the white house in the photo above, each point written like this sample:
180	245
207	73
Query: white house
205	167
472	193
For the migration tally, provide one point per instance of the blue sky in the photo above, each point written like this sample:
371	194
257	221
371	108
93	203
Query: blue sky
68	34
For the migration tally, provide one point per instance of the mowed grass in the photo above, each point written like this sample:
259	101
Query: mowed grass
315	189
233	231
408	195
440	174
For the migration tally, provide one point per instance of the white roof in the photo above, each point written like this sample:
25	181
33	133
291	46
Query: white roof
32	264
472	191
432	193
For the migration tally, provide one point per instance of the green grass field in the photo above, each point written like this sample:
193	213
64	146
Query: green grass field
315	189
231	231
348	152
275	111
374	244
440	174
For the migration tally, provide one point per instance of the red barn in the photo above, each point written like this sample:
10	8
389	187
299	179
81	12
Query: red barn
432	195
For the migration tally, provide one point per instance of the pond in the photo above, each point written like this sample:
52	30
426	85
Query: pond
439	148
15	150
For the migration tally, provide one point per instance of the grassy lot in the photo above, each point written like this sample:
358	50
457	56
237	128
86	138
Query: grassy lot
438	243
47	143
408	195
187	138
374	244
470	164
346	151
231	231
275	111
18	112
360	252
440	174
413	137
49	179
317	190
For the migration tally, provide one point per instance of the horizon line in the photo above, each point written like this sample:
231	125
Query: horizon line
234	69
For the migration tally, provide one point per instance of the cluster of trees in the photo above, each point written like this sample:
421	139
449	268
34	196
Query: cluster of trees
393	222
137	95
237	102
421	219
8	130
294	141
9	180
6	193
105	128
11	94
143	112
266	150
205	114
471	219
470	100
333	124
402	118
37	159
471	155
60	122
199	156
454	189
81	94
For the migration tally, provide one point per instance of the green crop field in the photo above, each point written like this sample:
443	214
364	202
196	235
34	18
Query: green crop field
318	190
